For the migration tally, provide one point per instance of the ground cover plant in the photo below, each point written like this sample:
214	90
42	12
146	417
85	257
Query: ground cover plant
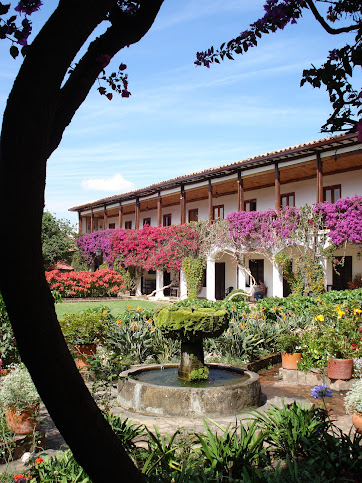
288	443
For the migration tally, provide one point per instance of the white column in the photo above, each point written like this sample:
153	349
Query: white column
242	279
159	284
210	279
277	290
183	286
138	287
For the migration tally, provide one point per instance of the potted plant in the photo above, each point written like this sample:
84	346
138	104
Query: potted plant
83	331
289	344
353	404
21	400
342	342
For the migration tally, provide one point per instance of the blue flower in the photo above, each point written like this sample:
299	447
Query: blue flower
321	391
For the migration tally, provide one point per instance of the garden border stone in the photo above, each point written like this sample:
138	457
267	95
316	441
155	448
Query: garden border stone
313	378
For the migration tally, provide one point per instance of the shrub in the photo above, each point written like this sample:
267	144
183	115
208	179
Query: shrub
17	389
8	350
353	399
87	327
102	283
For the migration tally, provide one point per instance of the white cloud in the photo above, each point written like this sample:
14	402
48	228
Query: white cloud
115	184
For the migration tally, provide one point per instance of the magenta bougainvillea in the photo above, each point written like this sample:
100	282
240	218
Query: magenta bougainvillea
160	247
343	219
255	229
155	247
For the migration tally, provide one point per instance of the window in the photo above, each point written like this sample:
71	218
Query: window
146	221
194	215
128	225
250	205
112	226
332	193
167	220
218	212
287	200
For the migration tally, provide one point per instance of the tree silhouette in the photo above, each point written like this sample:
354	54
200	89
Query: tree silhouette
40	106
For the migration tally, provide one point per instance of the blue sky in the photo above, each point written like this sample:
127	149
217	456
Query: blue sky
182	118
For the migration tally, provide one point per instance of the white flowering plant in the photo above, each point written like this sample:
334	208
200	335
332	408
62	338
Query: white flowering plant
17	389
353	398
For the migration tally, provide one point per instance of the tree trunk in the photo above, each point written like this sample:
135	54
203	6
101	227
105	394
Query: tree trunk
27	140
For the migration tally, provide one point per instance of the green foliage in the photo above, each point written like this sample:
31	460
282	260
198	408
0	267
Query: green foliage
57	239
7	441
289	342
88	327
62	468
129	275
191	324
17	389
233	451
8	349
291	430
201	374
128	433
241	297
194	270
161	460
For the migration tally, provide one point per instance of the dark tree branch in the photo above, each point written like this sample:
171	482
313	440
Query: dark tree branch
125	30
325	25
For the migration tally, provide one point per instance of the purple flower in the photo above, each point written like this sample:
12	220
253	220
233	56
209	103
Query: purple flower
28	6
320	391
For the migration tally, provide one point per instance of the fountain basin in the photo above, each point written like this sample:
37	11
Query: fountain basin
227	399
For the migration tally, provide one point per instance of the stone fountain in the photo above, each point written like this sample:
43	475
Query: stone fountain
192	388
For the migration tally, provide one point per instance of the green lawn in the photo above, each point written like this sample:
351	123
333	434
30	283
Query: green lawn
116	306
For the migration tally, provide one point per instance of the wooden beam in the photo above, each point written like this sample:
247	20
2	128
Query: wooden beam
211	211
92	222
277	187
319	179
183	205
120	215
137	214
159	209
105	218
80	219
240	192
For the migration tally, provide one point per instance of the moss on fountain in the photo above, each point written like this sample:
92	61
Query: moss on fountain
191	325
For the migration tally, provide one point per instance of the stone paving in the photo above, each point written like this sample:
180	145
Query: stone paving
273	388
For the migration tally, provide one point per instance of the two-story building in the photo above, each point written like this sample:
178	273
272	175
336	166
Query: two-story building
323	170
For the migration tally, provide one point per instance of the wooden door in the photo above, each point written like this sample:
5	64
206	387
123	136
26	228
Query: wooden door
219	281
344	274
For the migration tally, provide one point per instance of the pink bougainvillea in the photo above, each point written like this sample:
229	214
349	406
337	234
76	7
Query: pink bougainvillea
99	240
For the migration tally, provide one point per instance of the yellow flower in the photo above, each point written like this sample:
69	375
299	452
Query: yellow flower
152	328
139	308
134	326
232	307
119	322
242	326
232	321
104	311
320	318
357	311
129	307
340	313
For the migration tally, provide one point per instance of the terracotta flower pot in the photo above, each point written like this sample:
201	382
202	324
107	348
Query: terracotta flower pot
357	422
290	361
22	422
340	369
81	354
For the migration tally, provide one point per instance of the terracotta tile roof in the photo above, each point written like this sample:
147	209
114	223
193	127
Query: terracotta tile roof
300	150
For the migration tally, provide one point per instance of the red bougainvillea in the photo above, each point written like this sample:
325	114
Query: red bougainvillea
101	283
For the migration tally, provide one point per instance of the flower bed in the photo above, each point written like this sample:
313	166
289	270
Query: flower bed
102	283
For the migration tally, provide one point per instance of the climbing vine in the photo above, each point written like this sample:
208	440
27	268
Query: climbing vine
194	271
